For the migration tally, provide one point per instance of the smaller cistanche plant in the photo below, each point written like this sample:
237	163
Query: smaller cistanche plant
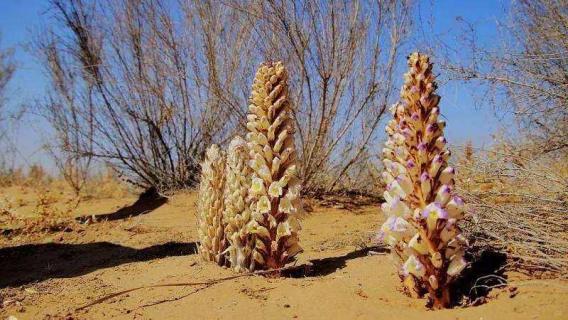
237	214
210	206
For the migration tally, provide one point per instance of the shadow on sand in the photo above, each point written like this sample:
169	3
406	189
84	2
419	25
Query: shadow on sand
36	262
147	202
326	266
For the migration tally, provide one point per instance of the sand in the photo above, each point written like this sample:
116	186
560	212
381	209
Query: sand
50	277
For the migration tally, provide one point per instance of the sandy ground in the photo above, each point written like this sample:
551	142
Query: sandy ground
54	275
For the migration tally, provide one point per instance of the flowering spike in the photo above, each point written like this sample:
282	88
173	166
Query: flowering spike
421	209
275	200
237	212
210	206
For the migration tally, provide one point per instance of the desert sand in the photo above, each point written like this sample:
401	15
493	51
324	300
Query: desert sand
53	276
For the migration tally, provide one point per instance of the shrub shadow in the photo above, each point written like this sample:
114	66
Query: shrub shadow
36	262
326	266
147	202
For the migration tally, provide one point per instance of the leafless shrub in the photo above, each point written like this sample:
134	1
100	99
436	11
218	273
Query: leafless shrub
131	87
7	68
148	85
7	117
527	74
518	198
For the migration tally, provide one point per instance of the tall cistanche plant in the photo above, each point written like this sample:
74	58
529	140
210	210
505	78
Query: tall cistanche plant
275	187
210	206
421	208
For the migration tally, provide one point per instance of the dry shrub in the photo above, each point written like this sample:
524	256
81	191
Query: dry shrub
147	86
518	198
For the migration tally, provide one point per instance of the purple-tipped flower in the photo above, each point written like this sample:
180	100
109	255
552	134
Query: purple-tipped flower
425	184
415	117
443	195
405	183
436	164
447	175
441	142
433	209
422	152
431	128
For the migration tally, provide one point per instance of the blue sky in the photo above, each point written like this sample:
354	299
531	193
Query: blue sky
20	19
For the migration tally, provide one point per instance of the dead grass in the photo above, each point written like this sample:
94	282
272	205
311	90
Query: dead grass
518	204
35	203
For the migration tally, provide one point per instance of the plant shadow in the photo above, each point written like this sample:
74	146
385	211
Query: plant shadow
326	266
485	273
147	202
37	262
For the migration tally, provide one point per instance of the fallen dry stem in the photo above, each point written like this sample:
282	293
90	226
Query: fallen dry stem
206	284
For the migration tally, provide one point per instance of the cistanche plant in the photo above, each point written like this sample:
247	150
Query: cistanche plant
237	214
210	206
275	186
421	208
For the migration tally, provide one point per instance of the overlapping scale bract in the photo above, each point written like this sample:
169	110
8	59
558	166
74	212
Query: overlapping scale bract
421	208
210	206
237	214
275	186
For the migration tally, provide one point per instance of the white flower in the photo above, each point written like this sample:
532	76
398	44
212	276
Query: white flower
283	230
405	183
263	205
418	245
275	189
285	205
457	264
432	213
398	208
395	190
413	266
396	227
257	186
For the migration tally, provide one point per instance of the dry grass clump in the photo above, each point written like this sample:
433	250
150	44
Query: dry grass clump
33	177
32	201
518	198
50	213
